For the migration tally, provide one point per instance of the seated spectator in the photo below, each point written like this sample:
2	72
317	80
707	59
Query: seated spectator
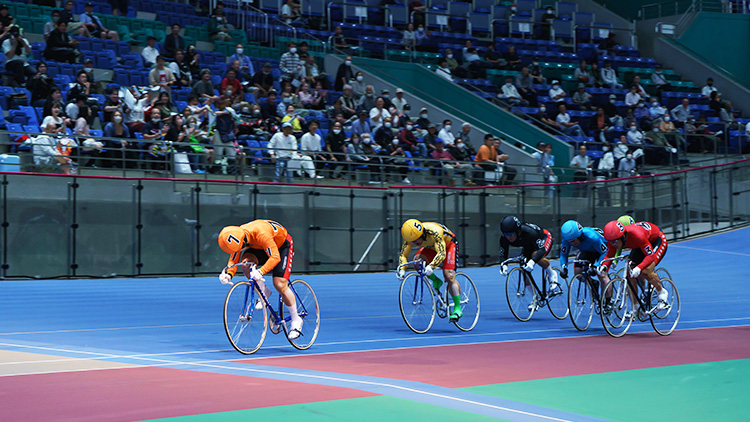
113	104
582	74
445	133
607	45
465	135
523	83
136	119
600	124
362	124
567	126
339	41
409	38
656	109
610	109
83	131
292	15
359	88
430	137
643	116
621	149
173	42
596	76
681	113
46	154
160	76
118	153
17	49
378	113
537	77
661	82
181	70
297	121
641	90
311	99
49	26
193	59
451	60
510	94
150	52
699	136
727	117
632	97
486	158
385	133
263	80
708	88
60	47
556	93
424	120
119	7
492	58
312	74
545	121
5	18
57	117
609	76
268	108
446	161
634	136
408	141
511	57
443	70
399	101
715	103
582	164
246	66
74	27
230	80
348	103
41	86
218	29
94	25
81	87
582	99
664	153
204	88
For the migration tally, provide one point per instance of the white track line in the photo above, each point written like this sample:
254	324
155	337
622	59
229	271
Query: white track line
709	250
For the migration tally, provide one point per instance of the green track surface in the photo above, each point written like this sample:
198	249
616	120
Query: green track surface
375	409
714	391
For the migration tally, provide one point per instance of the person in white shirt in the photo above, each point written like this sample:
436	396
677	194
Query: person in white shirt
16	49
632	97
445	133
626	166
581	163
282	148
556	93
399	101
566	126
660	80
378	114
46	154
94	25
709	88
634	136
150	53
641	89
443	71
609	76
309	150
510	94
656	109
621	148
605	169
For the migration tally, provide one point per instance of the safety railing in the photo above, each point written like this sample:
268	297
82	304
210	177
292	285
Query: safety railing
686	7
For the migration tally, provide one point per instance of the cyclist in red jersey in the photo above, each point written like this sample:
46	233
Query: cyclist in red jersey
648	244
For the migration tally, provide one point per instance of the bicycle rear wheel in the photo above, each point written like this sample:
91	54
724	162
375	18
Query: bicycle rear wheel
617	322
308	310
417	303
469	303
663	273
581	302
520	294
245	326
557	300
665	320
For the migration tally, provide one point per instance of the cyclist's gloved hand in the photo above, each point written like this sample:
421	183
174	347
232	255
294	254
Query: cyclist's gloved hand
225	278
400	273
592	271
428	270
635	272
529	265
564	272
256	275
503	269
602	269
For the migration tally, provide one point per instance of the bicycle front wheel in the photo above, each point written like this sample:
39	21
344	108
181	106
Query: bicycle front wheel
245	326
617	322
520	294
665	320
557	299
417	303
308	310
581	302
469	303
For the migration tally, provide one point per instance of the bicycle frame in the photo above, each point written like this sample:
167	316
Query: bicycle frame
421	286
529	277
585	266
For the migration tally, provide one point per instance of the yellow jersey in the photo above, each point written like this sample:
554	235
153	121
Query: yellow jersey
437	236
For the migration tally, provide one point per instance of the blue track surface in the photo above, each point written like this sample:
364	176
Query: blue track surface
182	318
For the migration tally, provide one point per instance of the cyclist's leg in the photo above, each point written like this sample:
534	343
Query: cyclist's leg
540	257
281	273
449	272
427	255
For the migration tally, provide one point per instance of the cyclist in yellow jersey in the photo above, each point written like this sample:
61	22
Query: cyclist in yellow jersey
438	246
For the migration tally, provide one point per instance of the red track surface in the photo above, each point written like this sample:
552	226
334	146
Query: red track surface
147	393
494	363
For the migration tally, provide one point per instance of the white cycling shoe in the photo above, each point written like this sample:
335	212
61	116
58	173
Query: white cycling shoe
259	302
663	296
295	329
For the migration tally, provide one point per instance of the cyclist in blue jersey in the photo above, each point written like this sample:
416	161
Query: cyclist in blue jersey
592	247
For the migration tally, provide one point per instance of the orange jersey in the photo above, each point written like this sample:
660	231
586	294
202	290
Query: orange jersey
267	235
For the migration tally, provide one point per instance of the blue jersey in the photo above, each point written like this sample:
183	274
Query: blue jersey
592	241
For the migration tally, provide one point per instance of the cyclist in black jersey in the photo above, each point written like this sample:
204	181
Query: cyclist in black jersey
534	241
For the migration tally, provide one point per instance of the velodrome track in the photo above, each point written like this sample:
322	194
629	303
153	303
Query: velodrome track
136	349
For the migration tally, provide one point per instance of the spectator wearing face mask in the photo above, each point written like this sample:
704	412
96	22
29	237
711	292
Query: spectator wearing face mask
656	109
632	97
344	74
605	167
218	30
670	131
663	152
385	133
634	135
246	66
642	115
610	109
367	101
358	85
510	94
310	145
450	60
263	80
627	166
556	93
445	133
335	147
423	121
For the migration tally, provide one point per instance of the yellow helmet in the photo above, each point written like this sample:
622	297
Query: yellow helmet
412	230
626	220
231	239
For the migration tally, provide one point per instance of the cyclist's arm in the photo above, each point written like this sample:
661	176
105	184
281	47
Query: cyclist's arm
504	245
439	251
233	259
649	256
405	251
603	249
564	250
610	254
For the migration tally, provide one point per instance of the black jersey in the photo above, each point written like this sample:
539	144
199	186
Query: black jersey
531	239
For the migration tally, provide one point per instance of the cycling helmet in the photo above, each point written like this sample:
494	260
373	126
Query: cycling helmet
510	224
626	220
613	231
412	230
571	229
231	239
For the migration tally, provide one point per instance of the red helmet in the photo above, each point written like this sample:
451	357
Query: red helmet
613	231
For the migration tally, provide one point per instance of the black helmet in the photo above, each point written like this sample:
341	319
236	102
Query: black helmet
510	224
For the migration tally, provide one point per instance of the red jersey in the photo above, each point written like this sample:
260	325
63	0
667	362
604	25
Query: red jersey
641	235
